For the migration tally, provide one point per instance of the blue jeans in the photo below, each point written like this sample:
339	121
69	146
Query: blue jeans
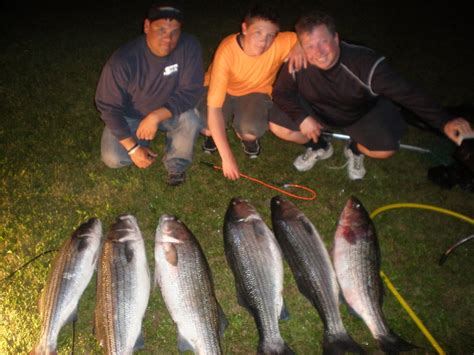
181	133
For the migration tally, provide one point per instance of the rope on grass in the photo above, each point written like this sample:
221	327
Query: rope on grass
389	284
26	264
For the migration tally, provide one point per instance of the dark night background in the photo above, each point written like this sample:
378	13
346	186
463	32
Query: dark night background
52	177
430	43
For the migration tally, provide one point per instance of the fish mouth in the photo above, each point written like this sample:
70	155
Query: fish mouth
125	228
171	229
89	229
167	217
241	210
283	208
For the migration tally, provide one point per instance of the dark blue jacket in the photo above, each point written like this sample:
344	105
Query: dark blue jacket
135	82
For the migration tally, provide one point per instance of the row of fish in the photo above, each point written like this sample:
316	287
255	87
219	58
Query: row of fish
254	254
123	285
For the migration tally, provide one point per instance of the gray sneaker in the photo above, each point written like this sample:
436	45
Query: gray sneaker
306	161
355	164
251	148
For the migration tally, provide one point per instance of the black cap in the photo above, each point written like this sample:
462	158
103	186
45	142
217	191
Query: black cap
168	10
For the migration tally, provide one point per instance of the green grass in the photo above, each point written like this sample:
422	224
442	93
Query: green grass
52	179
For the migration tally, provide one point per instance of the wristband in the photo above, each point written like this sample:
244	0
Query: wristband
133	149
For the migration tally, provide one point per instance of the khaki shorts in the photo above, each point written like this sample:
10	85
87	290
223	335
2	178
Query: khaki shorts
248	114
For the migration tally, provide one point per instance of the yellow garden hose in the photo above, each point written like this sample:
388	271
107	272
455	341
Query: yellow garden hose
389	284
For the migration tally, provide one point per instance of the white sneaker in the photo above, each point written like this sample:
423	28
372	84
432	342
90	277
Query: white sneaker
355	164
306	161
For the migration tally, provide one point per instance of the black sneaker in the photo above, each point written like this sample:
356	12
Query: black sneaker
175	179
251	148
209	146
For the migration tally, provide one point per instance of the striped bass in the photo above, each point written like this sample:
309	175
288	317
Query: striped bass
255	259
68	278
312	268
184	277
357	264
123	288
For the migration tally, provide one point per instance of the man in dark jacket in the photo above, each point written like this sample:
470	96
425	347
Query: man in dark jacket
351	89
152	83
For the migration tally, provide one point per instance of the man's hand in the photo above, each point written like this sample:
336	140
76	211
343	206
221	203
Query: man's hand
457	128
150	123
296	59
148	126
143	157
311	128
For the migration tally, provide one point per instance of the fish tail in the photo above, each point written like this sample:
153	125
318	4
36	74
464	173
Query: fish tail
392	343
340	344
274	348
40	350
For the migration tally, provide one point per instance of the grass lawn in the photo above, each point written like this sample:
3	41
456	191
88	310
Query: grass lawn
52	179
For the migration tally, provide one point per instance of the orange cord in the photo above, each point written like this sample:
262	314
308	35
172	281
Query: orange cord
312	192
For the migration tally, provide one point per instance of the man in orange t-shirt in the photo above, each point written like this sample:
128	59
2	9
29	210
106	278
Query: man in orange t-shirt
240	81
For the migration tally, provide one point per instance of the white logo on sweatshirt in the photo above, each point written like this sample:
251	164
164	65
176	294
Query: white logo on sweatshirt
170	69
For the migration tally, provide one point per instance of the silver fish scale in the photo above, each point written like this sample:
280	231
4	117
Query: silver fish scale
258	270
317	279
357	268
122	295
70	274
189	295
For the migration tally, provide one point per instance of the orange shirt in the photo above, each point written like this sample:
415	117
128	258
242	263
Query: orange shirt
236	73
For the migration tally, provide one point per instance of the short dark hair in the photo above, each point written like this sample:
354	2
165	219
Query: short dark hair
307	23
166	9
262	12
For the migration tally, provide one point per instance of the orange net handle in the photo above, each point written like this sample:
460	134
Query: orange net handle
299	197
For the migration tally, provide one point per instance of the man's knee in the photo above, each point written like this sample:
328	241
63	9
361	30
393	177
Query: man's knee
376	154
191	121
113	161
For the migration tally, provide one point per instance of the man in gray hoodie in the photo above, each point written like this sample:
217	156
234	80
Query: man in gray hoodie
152	83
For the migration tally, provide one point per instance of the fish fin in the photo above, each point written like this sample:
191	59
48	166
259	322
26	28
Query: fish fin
96	258
129	253
392	343
140	342
284	314
351	310
223	322
156	280
183	344
307	225
83	243
260	230
171	254
241	300
72	317
41	301
340	344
